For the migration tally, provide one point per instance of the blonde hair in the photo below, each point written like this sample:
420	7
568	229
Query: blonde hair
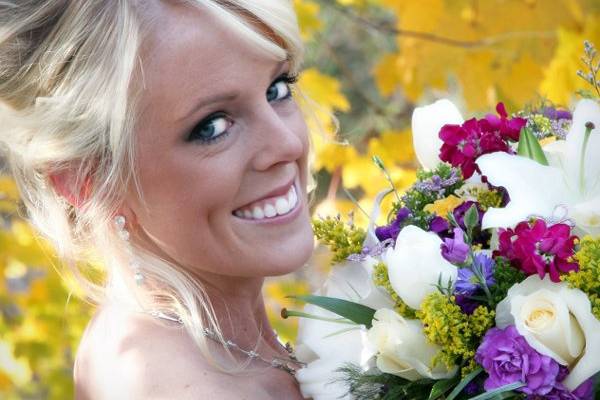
70	76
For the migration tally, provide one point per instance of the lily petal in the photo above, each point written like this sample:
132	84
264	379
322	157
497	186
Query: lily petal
427	122
585	111
534	189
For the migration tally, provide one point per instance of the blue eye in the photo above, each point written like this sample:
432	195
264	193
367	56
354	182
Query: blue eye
280	89
217	125
211	128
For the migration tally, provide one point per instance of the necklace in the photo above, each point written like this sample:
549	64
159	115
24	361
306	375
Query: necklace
286	364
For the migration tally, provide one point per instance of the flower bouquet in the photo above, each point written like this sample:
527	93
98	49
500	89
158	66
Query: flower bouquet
485	283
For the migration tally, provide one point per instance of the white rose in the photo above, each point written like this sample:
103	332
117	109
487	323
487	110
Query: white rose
556	321
402	348
415	265
326	346
427	122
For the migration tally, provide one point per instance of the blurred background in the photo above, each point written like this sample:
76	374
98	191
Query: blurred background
369	63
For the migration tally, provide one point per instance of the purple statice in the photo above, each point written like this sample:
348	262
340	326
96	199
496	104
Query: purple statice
508	358
392	230
373	251
436	185
556	114
455	249
561	127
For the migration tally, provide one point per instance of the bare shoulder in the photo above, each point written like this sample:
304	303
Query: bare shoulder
123	356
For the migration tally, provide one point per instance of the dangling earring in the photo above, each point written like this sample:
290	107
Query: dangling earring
124	234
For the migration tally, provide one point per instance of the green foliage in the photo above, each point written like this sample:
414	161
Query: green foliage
352	311
457	333
381	278
530	147
587	279
373	385
416	199
489	198
506	276
593	67
343	239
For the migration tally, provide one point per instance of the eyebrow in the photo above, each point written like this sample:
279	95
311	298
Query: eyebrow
228	96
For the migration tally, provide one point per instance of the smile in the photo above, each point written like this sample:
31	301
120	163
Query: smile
271	207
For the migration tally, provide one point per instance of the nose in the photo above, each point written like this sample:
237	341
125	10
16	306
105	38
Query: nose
279	138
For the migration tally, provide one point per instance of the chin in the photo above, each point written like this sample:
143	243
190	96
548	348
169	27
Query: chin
289	256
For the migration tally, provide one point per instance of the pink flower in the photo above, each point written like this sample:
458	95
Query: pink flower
536	248
463	144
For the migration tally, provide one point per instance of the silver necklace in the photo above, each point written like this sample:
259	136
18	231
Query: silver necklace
286	364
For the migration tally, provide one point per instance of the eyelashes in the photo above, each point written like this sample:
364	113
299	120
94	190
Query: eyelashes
216	126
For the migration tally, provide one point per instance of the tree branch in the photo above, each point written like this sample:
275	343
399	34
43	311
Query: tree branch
431	37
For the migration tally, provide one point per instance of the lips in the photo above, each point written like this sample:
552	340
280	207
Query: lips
270	207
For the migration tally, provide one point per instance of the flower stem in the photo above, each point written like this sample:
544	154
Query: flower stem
589	126
387	175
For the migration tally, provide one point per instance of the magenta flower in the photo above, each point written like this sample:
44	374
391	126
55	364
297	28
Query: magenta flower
508	358
463	144
508	129
536	248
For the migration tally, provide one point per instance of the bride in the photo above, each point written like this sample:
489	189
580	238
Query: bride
161	140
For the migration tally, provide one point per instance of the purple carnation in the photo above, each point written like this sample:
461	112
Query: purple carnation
585	391
508	358
456	250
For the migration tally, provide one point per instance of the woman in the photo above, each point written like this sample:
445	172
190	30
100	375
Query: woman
161	139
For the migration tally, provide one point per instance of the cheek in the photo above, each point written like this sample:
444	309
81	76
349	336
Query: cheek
186	196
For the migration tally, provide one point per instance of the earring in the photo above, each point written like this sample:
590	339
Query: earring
124	234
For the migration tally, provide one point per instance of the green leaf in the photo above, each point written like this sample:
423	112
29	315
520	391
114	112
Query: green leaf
472	218
500	390
530	147
441	387
463	383
348	309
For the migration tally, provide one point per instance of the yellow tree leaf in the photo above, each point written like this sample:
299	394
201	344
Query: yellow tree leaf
560	80
308	18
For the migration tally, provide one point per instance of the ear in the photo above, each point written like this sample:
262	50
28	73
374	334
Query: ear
64	183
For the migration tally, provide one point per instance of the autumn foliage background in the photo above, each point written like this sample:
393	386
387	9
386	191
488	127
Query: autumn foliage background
369	62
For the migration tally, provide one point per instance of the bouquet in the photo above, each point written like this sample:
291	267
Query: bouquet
485	282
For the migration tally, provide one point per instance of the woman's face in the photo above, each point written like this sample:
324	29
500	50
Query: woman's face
221	152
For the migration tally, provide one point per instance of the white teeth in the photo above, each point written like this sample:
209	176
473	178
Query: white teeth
270	211
270	208
282	206
292	198
257	213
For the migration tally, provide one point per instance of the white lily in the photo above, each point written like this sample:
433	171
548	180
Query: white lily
571	181
427	122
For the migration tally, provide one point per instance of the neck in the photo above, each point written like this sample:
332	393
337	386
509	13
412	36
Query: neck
240	311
